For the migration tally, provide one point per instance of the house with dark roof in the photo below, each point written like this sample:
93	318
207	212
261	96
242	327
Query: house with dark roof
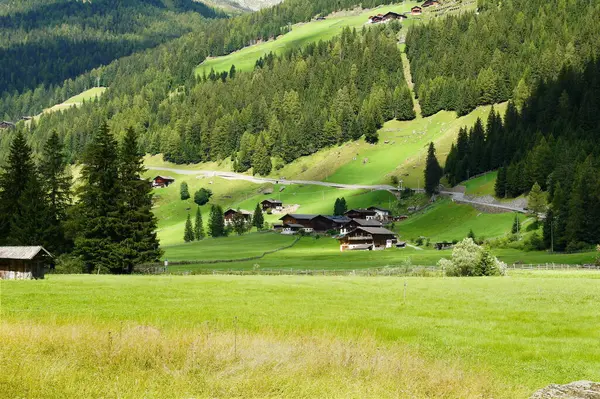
162	181
24	263
361	213
390	15
416	10
368	238
271	204
230	214
354	223
7	125
382	214
304	220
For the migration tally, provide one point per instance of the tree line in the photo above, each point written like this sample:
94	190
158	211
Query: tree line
289	106
500	52
551	143
109	228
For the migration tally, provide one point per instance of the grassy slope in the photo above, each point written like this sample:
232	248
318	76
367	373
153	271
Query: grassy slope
482	185
300	35
75	100
297	336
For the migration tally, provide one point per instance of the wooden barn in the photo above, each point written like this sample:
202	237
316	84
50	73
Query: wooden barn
430	3
355	223
24	263
230	214
368	238
416	10
382	214
7	125
299	219
162	181
390	15
271	205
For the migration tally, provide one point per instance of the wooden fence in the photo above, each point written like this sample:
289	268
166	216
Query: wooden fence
401	271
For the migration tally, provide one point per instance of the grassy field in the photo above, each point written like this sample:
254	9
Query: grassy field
233	247
482	185
447	221
75	100
300	35
285	336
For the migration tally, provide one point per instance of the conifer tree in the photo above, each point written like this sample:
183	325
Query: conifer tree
258	219
216	223
500	185
516	227
261	161
188	233
536	201
98	211
433	171
198	225
19	170
184	192
138	241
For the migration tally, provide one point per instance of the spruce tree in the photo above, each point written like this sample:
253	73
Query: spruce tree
188	234
336	207
19	170
138	241
98	210
216	223
433	171
536	201
198	225
184	192
258	219
56	178
500	185
516	227
261	161
343	206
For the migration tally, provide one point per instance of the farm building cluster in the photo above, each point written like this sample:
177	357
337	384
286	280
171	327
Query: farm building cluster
357	229
394	16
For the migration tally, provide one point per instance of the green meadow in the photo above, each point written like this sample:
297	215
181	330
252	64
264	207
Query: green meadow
76	100
290	336
482	185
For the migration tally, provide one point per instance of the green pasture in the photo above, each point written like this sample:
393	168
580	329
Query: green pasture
323	253
482	185
291	336
76	100
300	35
447	221
233	247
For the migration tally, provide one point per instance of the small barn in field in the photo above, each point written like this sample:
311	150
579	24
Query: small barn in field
162	181
390	15
7	125
416	10
24	263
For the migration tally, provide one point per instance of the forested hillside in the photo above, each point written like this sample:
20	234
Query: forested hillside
208	38
552	141
48	41
500	52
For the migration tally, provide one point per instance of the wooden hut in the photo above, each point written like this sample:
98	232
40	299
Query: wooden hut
23	263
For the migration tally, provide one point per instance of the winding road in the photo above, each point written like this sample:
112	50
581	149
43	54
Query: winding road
456	196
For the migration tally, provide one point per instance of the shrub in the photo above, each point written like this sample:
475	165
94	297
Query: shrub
68	264
469	259
202	196
183	191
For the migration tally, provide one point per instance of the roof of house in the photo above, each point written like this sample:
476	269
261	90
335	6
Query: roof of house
337	219
242	211
375	230
367	223
360	210
272	201
24	253
164	177
299	216
378	208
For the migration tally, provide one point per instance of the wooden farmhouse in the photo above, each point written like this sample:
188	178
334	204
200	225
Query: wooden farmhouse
361	214
390	15
7	125
24	263
430	3
355	223
368	239
296	220
271	205
230	214
416	10
162	181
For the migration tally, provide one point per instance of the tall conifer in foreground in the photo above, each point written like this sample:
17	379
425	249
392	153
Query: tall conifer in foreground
188	234
258	220
98	206
216	224
138	243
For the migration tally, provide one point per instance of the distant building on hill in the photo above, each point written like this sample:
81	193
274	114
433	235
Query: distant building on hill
162	181
416	10
430	3
389	16
230	214
7	125
382	214
368	238
24	263
271	204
